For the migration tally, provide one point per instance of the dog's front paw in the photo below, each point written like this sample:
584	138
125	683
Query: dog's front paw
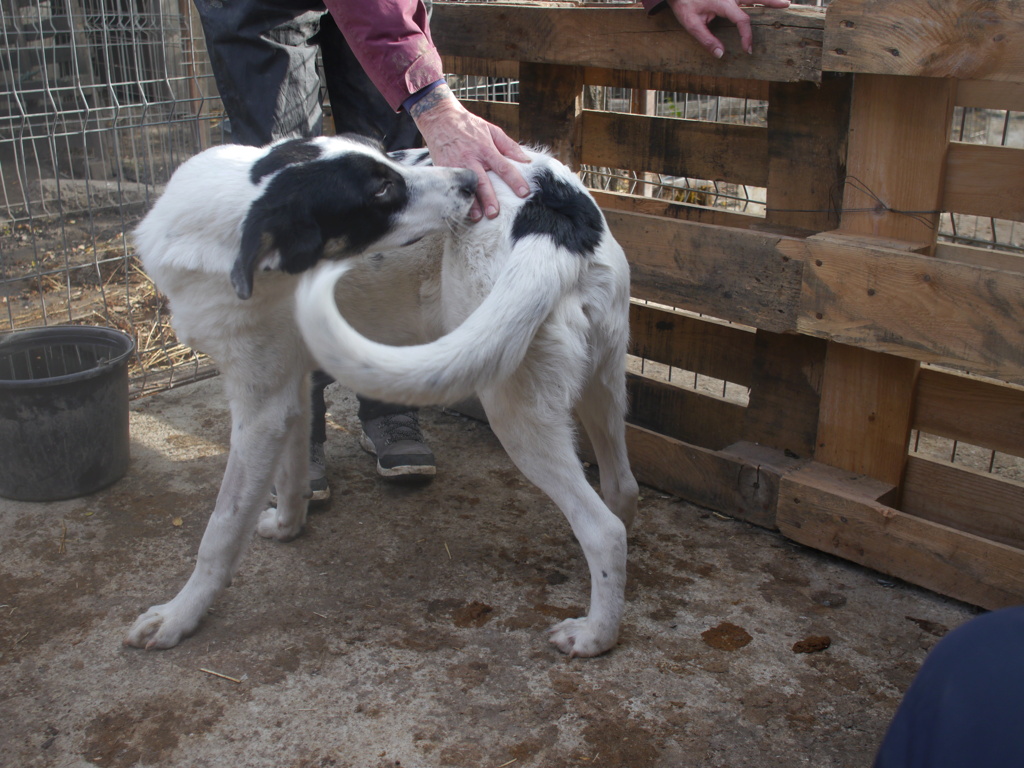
160	627
275	524
578	637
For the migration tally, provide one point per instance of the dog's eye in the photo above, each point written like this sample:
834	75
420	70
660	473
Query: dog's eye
385	187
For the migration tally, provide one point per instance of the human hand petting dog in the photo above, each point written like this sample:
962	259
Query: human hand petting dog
695	15
459	139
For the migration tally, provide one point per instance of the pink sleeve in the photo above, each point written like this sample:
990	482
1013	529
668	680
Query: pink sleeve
391	39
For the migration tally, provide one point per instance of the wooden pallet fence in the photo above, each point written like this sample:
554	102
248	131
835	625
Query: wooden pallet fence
848	323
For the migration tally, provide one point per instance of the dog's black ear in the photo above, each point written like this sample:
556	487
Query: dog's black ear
289	229
244	269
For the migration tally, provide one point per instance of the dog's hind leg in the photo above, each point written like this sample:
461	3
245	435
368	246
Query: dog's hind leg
602	411
544	449
260	425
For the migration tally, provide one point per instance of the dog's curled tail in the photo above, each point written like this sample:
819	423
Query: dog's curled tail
488	346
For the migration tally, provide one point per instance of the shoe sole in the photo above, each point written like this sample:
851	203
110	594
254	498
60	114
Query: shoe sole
421	470
321	495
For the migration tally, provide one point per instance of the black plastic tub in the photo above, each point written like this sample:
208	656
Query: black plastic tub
63	411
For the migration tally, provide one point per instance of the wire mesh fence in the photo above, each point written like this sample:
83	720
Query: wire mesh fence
100	100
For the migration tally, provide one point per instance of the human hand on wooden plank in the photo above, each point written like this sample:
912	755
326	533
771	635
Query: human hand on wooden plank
696	15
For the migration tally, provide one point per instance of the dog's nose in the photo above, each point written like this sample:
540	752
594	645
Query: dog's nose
467	183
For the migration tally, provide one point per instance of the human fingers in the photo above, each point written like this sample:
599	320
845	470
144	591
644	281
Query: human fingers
507	171
475	145
695	17
486	199
737	16
742	21
508	146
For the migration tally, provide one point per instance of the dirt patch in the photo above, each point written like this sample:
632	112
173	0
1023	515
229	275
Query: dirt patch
124	737
474	614
812	644
726	637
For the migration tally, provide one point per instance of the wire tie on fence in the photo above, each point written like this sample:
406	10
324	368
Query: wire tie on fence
919	216
881	207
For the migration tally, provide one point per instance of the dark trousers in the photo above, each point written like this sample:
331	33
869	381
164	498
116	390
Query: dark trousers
264	59
966	705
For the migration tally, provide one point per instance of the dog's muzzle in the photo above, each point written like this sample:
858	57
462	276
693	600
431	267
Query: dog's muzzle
467	181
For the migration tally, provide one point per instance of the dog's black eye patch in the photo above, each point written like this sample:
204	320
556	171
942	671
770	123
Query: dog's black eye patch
562	212
281	156
350	199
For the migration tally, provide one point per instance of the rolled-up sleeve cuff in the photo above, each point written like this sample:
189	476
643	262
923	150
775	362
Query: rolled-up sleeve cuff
424	71
408	103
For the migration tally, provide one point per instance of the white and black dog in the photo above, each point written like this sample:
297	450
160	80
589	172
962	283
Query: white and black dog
529	311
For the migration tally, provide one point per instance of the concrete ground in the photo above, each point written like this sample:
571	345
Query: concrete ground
407	626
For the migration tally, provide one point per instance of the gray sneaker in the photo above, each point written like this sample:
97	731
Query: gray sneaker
319	490
396	441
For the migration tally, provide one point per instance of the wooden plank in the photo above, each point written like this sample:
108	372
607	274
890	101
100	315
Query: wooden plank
642	102
962	39
787	43
990	95
976	502
741	481
785	395
669	82
899	133
684	414
857	293
466	65
693	344
695	148
682	211
729	274
980	257
550	108
807	127
824	508
965	408
915	306
864	423
985	180
873	241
